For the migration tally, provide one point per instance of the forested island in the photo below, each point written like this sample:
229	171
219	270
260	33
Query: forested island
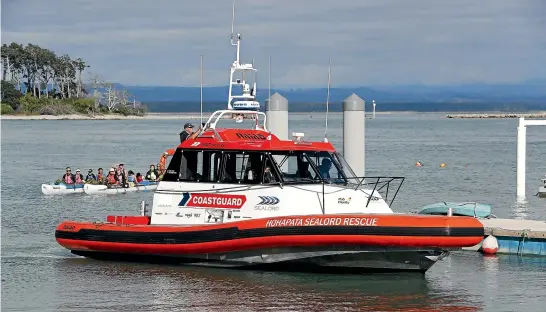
36	81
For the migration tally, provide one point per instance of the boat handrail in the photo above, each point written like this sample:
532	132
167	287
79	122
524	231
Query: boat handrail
217	116
379	183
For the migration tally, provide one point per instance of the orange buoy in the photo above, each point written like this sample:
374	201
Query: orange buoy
490	245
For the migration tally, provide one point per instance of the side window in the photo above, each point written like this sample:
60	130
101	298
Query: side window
290	162
191	172
211	166
268	174
173	169
229	174
242	167
193	165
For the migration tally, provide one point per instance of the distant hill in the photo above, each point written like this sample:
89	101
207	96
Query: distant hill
469	97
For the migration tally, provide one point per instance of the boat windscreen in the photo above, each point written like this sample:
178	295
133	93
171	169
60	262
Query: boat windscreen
344	167
332	167
295	167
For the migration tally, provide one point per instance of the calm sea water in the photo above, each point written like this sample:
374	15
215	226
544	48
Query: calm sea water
39	275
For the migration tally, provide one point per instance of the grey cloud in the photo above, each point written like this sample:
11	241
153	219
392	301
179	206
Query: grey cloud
370	42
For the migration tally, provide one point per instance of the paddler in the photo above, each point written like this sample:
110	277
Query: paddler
121	176
78	177
131	179
100	175
90	176
152	174
68	177
111	177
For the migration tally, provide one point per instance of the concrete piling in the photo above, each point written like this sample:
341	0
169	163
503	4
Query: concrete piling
354	119
276	110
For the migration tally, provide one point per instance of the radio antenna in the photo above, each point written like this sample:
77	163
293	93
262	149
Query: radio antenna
201	89
232	22
269	73
327	99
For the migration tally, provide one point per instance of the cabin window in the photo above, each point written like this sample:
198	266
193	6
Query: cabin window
212	161
295	167
173	169
246	168
223	167
270	173
193	165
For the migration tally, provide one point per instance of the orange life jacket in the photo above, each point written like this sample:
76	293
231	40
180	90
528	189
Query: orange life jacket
111	178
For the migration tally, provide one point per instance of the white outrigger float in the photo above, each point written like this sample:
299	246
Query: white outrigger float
244	198
61	188
94	189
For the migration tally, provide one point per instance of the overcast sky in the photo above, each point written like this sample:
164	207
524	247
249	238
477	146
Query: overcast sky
380	42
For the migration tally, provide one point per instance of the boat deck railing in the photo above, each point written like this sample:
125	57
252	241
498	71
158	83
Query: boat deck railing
218	115
383	185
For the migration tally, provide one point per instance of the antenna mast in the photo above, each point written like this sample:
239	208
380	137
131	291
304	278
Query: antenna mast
239	37
246	100
201	90
232	22
327	100
269	73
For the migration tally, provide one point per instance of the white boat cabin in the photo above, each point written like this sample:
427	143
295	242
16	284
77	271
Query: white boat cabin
231	174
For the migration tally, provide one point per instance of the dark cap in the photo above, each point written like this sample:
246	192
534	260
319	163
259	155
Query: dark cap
188	125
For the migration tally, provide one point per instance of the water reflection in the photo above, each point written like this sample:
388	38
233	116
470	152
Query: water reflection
520	209
160	288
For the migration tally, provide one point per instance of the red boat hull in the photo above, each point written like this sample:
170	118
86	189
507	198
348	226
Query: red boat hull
402	231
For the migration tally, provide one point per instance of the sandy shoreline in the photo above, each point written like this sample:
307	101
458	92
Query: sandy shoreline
102	117
196	115
153	116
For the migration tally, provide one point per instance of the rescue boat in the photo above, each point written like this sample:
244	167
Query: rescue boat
235	197
240	197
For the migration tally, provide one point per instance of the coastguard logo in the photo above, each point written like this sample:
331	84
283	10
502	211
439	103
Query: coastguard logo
204	200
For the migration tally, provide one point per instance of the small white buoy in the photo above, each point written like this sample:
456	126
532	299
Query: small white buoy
490	245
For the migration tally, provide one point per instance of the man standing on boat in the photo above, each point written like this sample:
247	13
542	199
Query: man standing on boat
188	133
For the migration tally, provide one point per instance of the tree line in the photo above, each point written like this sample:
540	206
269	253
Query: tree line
37	80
